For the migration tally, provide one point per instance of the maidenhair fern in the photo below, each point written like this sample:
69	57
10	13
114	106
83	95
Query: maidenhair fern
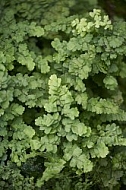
62	96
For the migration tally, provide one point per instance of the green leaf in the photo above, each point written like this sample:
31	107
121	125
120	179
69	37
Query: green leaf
50	106
81	99
56	44
102	106
29	131
17	109
35	144
99	150
48	123
110	82
52	169
79	128
77	152
73	45
54	84
115	42
36	30
72	113
26	60
67	128
79	85
81	162
65	96
42	64
70	137
69	148
90	144
80	66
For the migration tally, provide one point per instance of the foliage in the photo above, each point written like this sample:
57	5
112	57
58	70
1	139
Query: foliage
62	96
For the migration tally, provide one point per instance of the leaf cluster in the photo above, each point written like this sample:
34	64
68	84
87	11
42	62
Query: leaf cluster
62	97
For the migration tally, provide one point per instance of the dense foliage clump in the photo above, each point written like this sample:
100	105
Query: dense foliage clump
62	96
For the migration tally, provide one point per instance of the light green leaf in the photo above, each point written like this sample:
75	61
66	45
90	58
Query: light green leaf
82	99
38	121
34	30
70	137
73	45
90	144
65	96
67	128
115	42
87	164
77	152
35	144
30	63
79	85
54	84
81	162
110	82
17	109
73	162
72	113
50	106
29	131
79	128
100	150
42	64
52	169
